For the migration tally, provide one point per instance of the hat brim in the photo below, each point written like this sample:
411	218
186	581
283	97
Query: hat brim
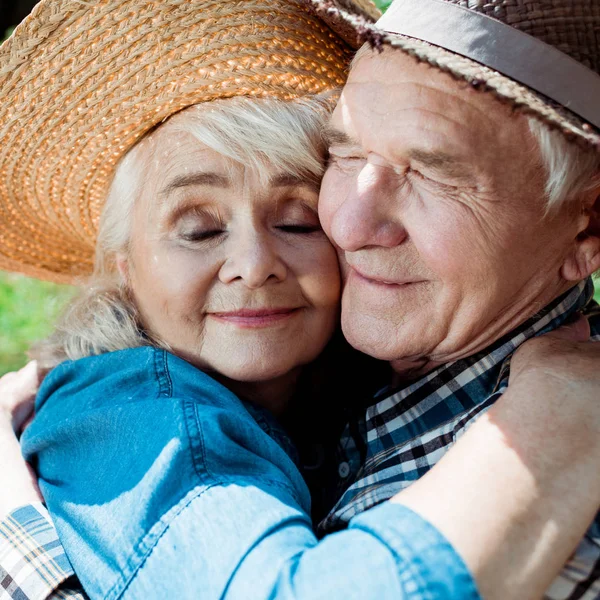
82	82
518	96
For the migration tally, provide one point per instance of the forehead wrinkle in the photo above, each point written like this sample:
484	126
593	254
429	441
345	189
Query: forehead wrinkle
462	93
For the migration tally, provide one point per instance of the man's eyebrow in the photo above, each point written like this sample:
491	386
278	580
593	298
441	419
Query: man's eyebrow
335	137
440	161
293	180
194	179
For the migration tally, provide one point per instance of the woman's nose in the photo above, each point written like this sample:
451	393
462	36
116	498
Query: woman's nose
254	261
368	216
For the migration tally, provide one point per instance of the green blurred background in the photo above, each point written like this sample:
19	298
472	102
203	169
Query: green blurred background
29	307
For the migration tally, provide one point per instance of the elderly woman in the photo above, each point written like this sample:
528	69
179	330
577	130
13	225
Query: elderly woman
214	297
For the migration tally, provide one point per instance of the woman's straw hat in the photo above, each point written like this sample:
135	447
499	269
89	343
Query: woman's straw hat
540	56
82	81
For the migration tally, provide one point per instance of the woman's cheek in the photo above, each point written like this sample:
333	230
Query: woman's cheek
321	281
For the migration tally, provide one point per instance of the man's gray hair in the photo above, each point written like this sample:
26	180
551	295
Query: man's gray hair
260	134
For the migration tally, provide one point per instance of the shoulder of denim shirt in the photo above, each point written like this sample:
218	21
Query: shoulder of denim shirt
146	373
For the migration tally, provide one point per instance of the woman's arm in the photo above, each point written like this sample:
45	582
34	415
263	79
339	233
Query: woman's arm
517	493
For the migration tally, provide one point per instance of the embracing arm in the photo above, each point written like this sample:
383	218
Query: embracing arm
517	493
494	516
33	564
18	478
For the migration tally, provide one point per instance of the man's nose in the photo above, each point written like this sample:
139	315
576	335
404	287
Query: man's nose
253	260
368	215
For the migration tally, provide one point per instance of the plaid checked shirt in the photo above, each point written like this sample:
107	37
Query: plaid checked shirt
33	564
407	431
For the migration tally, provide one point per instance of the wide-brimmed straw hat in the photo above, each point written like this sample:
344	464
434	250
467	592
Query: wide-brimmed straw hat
82	81
542	57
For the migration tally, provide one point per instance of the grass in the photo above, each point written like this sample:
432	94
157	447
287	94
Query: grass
27	310
383	4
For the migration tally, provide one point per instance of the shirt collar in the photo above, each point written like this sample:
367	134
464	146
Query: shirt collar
457	386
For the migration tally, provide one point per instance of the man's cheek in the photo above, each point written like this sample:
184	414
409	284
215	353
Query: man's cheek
331	197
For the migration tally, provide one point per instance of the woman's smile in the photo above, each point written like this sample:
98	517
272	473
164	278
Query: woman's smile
250	318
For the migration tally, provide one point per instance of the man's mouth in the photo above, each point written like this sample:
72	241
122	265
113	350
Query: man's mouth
378	280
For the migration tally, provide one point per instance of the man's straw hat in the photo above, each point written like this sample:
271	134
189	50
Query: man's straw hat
542	57
82	81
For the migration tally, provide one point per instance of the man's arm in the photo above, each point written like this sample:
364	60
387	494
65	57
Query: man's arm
33	565
497	515
17	394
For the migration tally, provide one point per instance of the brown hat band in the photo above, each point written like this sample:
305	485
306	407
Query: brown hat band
501	47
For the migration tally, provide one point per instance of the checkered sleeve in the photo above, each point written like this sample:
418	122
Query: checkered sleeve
33	563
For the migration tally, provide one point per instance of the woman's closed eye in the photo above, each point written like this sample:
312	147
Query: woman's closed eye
201	235
199	224
299	228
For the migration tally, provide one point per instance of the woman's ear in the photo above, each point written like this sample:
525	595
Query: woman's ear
123	268
585	258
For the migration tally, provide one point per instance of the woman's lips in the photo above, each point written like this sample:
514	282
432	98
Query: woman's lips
255	318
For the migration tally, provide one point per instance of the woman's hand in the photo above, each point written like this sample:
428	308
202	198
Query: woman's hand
17	394
518	491
556	377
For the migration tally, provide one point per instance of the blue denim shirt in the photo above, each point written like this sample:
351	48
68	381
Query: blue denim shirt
163	484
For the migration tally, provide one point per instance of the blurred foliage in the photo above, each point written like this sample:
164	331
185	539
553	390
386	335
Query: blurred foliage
383	4
27	310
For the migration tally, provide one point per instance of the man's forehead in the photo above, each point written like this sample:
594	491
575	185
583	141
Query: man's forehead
419	107
394	76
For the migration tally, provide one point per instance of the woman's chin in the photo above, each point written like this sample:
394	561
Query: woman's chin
254	373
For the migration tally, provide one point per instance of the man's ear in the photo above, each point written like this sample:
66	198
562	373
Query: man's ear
123	267
585	257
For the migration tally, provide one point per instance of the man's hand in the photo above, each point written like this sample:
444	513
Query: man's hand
17	395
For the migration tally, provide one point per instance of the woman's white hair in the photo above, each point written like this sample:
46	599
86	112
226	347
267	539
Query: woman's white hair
260	134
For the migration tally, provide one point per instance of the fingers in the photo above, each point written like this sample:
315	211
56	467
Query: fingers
575	331
563	354
17	394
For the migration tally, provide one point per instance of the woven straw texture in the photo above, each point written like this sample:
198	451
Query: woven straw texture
572	26
81	82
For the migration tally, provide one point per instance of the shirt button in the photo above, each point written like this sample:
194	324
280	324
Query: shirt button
344	470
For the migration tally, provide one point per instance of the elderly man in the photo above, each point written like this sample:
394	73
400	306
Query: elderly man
437	196
465	208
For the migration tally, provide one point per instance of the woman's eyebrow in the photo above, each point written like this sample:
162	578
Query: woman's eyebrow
194	179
